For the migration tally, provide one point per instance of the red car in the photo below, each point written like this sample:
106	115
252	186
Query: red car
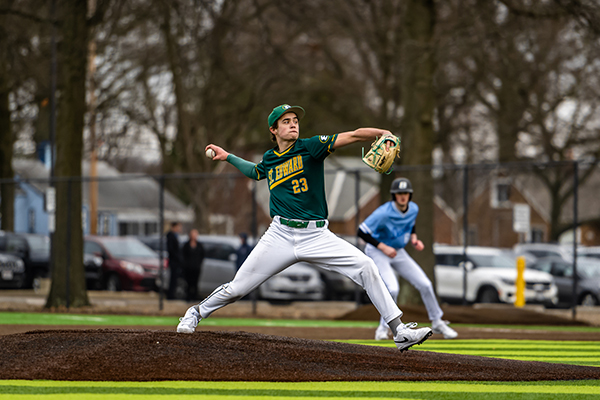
128	264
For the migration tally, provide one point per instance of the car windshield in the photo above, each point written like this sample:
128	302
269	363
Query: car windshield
128	248
588	269
492	260
39	244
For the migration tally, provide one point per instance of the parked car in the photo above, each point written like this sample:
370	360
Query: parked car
128	264
92	265
588	282
12	271
299	281
540	250
218	266
33	249
491	277
593	251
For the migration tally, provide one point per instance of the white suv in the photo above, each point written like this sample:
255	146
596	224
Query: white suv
491	277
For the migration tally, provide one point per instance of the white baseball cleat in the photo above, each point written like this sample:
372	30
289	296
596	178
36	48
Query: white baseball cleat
188	323
407	337
439	326
382	333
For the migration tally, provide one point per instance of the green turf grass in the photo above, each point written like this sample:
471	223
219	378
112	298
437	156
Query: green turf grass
47	390
19	318
563	352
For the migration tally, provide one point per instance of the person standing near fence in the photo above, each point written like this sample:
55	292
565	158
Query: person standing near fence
387	231
299	230
243	251
193	256
175	258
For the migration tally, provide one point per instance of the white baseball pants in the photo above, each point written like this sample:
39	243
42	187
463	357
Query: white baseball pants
408	269
282	246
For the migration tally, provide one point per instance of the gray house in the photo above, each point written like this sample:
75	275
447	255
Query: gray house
128	204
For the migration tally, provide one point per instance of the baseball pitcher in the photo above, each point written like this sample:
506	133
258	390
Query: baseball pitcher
299	230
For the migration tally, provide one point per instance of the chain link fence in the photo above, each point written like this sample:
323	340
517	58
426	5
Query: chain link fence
492	205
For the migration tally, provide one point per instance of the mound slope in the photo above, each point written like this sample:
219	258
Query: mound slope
143	355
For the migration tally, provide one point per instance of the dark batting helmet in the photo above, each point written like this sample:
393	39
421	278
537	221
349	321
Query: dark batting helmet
401	185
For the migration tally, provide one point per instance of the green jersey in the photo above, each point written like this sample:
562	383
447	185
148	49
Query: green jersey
296	178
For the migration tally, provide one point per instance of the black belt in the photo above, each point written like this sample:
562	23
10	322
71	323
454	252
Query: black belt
300	224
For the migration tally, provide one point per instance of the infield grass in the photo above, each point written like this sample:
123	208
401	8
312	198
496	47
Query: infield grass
561	352
47	390
19	318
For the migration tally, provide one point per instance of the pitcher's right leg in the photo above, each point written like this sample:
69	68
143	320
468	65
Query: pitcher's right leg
273	253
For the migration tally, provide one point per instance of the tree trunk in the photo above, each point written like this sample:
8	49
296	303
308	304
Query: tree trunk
511	106
417	132
7	190
67	250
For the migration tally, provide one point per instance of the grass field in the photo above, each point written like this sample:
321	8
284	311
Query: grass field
50	390
19	318
576	353
580	353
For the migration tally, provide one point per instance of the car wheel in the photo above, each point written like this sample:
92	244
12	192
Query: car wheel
113	283
488	295
589	300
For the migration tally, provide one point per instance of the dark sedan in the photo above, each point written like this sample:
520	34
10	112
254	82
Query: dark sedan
588	282
34	250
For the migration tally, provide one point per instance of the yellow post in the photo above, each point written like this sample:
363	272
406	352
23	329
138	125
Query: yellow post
520	283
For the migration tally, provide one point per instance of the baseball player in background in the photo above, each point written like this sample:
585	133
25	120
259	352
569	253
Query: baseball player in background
387	231
299	230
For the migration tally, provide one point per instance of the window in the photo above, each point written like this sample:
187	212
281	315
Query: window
218	251
150	228
545	266
16	245
503	192
128	228
562	269
537	235
452	260
31	220
92	248
104	223
500	191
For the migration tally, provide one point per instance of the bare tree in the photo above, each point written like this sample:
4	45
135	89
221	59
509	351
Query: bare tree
68	238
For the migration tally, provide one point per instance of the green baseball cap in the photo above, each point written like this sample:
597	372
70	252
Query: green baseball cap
282	109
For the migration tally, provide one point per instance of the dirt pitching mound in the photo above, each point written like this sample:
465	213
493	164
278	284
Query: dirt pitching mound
142	355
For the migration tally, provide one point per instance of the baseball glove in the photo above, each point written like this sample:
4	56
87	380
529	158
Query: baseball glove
381	156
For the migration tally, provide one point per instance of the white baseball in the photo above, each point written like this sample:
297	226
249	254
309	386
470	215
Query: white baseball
210	153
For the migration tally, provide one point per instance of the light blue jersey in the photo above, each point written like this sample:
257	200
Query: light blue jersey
389	225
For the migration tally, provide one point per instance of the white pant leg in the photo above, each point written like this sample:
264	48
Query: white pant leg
387	273
411	271
272	254
324	249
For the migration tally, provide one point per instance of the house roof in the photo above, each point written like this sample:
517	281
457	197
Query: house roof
131	197
532	186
